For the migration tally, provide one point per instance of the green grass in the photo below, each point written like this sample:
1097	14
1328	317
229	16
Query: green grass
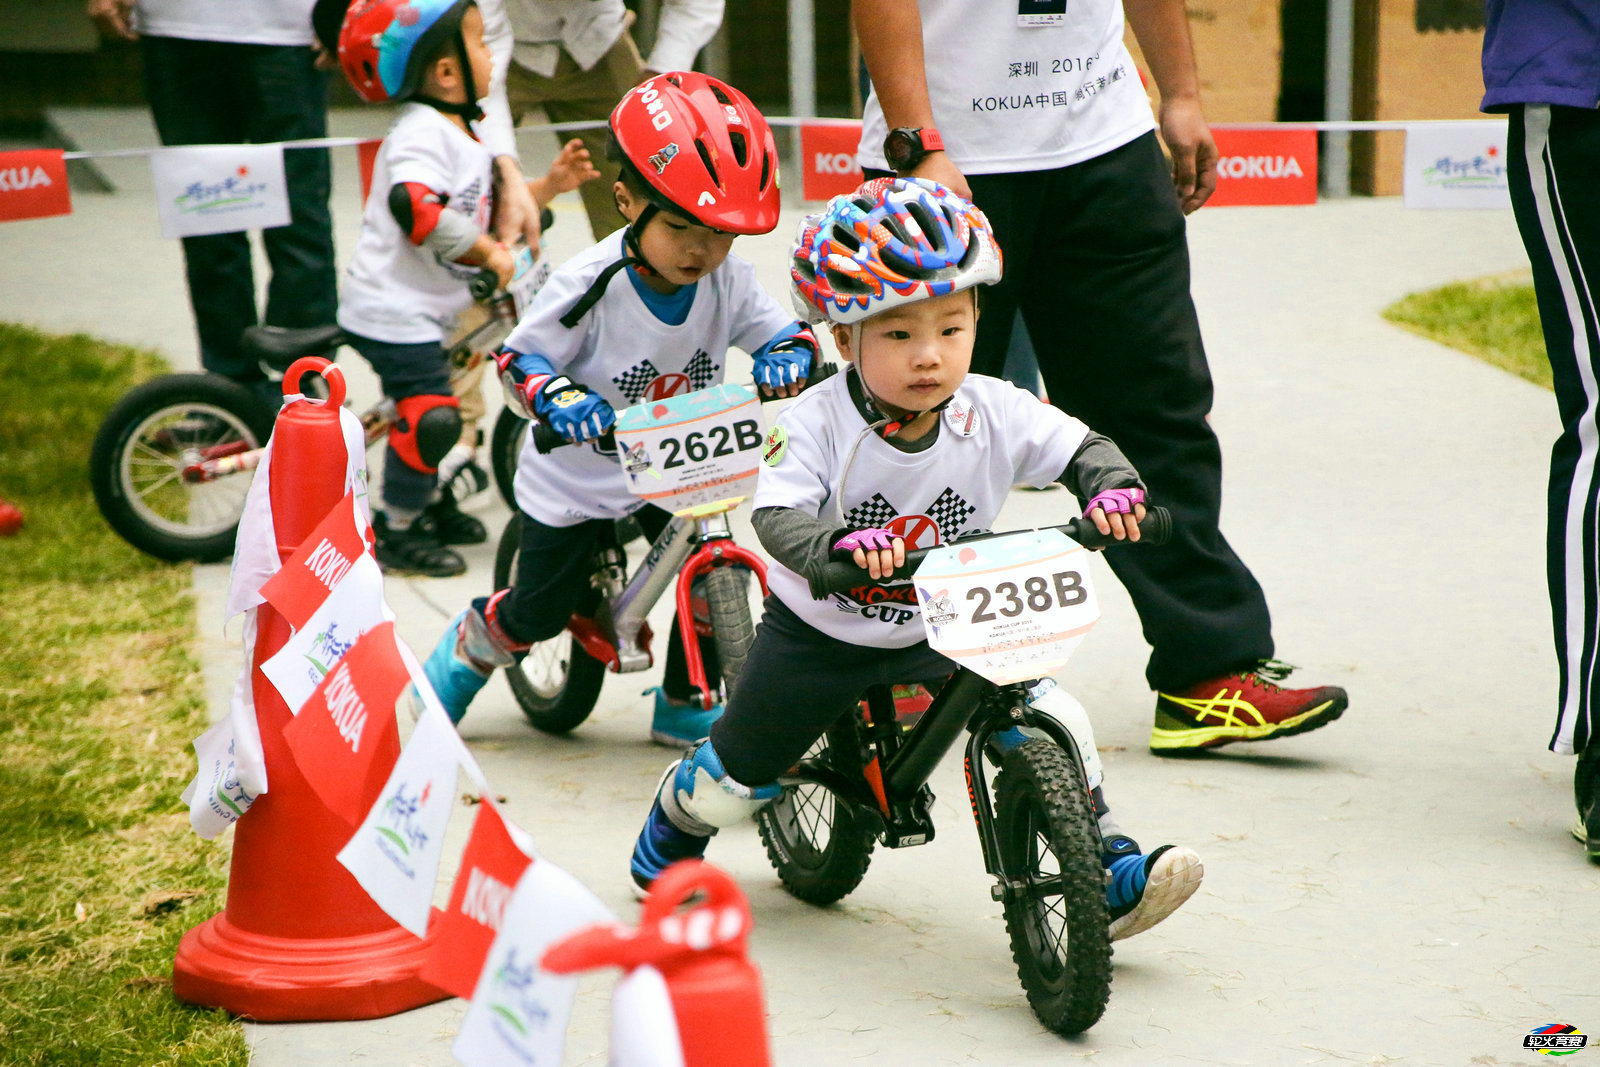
99	699
1495	319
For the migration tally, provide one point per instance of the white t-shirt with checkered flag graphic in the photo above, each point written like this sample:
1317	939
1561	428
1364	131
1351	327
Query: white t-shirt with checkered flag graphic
621	351
992	436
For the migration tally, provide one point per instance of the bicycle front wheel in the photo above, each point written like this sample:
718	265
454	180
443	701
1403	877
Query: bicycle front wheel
557	684
505	445
1060	929
818	844
146	465
727	591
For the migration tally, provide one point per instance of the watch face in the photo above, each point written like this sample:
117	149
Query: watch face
902	149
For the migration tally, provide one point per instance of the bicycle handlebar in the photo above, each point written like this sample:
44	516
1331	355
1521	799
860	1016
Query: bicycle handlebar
545	439
1155	529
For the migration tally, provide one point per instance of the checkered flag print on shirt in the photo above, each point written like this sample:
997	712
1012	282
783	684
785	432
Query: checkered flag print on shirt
871	513
701	371
633	380
951	512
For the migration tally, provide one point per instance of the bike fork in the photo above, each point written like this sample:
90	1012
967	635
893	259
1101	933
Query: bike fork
717	549
1021	713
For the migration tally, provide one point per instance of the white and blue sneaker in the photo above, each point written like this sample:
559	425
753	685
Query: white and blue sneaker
454	679
660	843
679	725
1143	890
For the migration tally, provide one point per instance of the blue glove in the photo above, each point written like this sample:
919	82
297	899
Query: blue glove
571	410
785	360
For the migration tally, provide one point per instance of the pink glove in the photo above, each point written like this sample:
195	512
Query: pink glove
1118	501
870	539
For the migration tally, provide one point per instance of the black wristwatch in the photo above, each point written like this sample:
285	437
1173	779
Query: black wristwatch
905	147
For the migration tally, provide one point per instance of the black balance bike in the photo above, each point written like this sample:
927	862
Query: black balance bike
866	781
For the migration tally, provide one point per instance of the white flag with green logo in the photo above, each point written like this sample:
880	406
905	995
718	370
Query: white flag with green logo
519	1012
395	854
353	607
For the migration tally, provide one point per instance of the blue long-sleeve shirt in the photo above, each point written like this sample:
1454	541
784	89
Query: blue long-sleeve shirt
1541	52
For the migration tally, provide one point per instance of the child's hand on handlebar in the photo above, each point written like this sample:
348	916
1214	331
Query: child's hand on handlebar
874	550
570	409
502	262
1117	512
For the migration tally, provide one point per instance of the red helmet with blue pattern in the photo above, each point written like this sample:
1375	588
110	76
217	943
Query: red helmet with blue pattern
891	242
384	45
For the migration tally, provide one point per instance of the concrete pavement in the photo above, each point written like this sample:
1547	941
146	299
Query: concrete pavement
1398	887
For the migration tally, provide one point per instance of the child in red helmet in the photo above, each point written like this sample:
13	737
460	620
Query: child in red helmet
650	311
423	239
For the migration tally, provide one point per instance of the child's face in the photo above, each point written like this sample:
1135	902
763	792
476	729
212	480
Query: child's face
916	354
680	251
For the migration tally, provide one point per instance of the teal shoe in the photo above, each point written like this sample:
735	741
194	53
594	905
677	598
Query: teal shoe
454	680
680	725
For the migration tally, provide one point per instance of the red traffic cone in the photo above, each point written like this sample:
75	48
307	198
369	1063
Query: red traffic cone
299	938
702	953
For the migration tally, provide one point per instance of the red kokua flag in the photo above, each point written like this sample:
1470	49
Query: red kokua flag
308	576
345	739
33	184
459	940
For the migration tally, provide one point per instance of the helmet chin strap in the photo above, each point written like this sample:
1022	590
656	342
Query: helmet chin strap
468	109
888	423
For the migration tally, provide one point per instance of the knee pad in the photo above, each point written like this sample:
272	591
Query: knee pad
703	792
1048	697
427	429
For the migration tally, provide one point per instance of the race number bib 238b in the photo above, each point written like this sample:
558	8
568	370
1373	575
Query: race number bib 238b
1010	608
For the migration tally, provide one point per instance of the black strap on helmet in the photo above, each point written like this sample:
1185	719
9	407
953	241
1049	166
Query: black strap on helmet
468	110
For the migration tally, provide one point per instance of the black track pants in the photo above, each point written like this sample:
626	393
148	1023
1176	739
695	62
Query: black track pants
1097	259
1554	163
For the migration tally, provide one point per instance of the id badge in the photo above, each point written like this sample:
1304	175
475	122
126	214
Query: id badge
1032	14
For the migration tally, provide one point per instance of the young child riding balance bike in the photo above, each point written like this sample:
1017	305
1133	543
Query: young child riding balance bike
905	444
422	242
699	167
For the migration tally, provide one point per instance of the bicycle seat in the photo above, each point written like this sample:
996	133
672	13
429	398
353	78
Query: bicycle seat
276	347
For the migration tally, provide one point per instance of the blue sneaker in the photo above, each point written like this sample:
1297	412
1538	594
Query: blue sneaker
454	679
660	845
1142	890
680	725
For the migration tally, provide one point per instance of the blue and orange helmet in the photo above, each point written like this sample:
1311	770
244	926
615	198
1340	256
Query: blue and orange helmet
891	242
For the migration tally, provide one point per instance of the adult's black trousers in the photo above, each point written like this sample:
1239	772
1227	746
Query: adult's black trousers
1097	260
222	92
1553	164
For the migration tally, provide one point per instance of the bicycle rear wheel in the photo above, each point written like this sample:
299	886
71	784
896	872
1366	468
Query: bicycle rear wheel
1059	926
143	462
557	683
818	845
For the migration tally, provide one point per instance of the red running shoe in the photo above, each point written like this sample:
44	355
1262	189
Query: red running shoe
1248	706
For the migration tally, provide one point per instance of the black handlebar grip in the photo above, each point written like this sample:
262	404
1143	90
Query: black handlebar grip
547	219
546	439
483	284
1154	529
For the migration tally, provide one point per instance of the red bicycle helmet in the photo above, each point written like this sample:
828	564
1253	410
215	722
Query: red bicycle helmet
384	46
703	149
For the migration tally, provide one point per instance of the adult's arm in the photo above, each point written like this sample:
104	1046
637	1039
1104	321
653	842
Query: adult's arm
890	32
515	213
114	17
1162	28
685	26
